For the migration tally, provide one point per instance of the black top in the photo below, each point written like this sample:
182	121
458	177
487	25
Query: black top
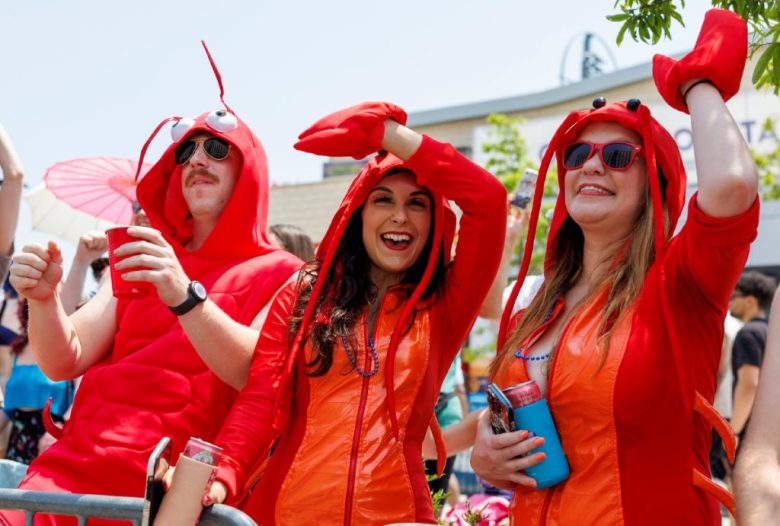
749	346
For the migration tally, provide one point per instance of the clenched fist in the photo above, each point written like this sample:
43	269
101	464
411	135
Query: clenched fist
37	270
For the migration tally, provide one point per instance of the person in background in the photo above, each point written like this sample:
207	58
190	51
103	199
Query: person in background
90	248
10	198
139	216
451	406
26	394
719	463
293	239
493	306
757	473
749	303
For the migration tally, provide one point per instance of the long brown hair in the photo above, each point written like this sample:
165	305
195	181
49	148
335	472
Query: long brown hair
23	313
627	265
347	292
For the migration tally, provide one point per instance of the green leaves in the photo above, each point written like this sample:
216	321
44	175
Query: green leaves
768	165
646	20
767	70
508	151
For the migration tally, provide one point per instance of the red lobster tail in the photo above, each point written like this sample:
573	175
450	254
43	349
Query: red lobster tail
655	183
438	236
48	423
219	77
441	447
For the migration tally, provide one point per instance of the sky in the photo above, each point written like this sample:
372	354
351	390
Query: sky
94	77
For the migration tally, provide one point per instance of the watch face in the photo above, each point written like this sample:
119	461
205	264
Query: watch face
199	290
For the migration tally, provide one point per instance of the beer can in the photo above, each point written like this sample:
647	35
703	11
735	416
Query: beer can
523	394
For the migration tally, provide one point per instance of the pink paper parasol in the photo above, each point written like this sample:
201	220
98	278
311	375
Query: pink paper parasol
83	195
101	187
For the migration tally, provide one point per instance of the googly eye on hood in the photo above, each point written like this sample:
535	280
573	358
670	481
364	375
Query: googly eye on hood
221	121
180	128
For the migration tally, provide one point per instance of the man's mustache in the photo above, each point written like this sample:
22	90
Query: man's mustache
200	172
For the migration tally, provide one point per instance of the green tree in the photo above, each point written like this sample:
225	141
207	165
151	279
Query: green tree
508	160
650	20
768	165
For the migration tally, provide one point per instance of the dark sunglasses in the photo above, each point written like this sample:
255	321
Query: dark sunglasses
214	147
615	155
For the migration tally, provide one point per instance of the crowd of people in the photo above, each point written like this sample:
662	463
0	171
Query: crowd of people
327	376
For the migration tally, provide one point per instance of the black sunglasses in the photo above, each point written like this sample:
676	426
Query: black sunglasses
615	155
214	147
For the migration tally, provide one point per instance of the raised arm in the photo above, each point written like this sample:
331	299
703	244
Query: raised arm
482	198
368	127
10	193
757	475
726	173
493	304
722	222
91	246
699	84
64	347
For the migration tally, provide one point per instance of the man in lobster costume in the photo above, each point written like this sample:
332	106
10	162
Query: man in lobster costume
147	362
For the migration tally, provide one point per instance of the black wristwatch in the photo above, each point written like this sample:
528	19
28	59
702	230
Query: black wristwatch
196	293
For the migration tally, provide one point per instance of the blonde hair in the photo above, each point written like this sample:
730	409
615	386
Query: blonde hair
628	264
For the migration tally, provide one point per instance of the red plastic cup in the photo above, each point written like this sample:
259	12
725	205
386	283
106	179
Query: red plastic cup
117	237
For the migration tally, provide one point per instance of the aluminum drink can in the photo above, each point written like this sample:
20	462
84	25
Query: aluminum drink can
523	394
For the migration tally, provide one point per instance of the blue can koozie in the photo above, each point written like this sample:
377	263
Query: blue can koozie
536	419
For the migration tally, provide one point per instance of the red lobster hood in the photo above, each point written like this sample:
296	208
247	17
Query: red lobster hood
443	236
241	229
660	151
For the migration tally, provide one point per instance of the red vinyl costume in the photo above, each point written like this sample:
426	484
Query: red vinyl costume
637	430
153	383
350	447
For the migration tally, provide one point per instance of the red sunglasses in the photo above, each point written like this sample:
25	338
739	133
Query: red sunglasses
615	155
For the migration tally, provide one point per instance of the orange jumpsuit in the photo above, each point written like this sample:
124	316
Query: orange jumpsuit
338	460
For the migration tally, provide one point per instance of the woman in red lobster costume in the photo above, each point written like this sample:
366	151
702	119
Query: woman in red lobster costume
624	337
351	357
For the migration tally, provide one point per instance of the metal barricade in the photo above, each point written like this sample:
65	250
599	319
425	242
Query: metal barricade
132	509
86	507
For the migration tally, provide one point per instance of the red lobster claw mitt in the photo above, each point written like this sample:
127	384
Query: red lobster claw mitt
355	132
719	56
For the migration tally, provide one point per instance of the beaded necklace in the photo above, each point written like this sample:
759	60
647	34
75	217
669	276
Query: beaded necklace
353	359
520	353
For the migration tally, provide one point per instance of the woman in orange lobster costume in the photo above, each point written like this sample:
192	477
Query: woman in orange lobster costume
359	346
625	335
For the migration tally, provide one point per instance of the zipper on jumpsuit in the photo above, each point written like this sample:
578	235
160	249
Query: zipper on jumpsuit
550	492
359	421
